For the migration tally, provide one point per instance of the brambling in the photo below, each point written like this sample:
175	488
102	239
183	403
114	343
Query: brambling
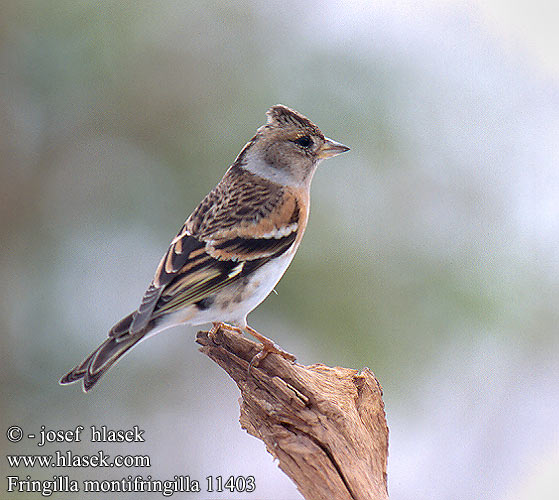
234	248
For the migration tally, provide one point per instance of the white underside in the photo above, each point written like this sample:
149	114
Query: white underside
233	303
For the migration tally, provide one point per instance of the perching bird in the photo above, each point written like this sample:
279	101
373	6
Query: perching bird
234	248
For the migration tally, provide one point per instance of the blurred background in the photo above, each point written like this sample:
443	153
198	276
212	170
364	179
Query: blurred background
431	254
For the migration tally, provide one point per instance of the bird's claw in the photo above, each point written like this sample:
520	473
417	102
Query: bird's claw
269	347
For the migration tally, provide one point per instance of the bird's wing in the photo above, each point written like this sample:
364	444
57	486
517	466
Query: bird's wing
236	229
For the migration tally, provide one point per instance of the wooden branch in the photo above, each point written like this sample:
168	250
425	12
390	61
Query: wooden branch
326	426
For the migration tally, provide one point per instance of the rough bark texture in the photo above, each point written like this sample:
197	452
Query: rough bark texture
326	426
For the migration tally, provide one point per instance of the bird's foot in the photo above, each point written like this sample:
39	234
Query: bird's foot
212	333
231	328
268	346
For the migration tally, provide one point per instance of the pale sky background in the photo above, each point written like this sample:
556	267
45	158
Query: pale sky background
521	26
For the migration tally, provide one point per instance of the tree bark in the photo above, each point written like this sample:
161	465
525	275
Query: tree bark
326	426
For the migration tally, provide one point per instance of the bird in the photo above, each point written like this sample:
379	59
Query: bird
235	246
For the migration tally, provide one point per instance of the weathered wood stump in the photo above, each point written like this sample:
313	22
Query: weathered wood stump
326	426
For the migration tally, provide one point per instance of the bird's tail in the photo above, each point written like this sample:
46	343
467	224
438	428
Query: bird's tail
100	360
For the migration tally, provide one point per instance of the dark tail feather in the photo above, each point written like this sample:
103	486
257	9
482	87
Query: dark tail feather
100	360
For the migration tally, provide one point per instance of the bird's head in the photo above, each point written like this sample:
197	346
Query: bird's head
288	145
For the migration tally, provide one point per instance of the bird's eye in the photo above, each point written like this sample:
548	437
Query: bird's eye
305	141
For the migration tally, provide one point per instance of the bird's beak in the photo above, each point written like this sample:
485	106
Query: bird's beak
331	148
